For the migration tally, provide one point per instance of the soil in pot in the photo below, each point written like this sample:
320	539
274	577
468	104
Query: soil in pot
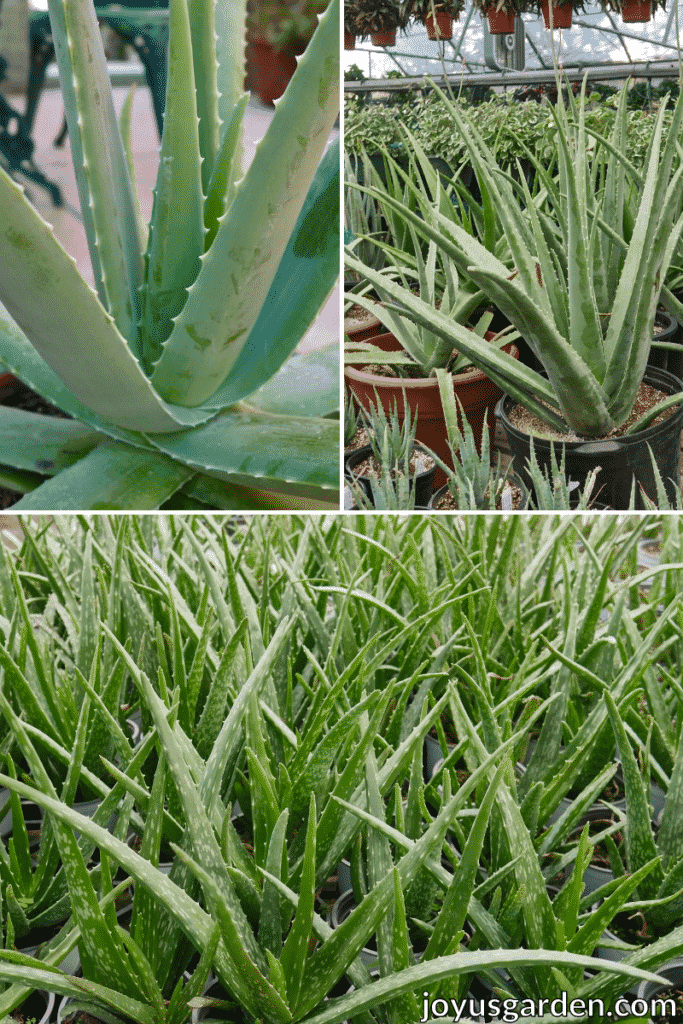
675	992
619	457
19	396
360	324
513	498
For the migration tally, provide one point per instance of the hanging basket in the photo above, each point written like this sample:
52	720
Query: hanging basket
562	16
501	23
383	37
349	41
636	11
442	28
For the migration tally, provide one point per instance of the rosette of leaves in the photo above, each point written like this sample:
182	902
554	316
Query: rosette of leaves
362	17
193	313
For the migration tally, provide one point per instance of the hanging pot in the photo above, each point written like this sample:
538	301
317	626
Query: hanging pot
272	70
562	16
501	23
636	11
349	41
620	459
475	392
442	28
383	37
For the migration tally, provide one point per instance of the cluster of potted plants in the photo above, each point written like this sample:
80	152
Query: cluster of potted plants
577	266
285	674
379	21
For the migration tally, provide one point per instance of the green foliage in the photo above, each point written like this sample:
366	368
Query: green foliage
156	358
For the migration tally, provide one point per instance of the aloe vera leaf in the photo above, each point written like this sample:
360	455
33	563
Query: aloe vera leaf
261	992
186	911
416	978
585	331
288	454
144	925
306	385
669	835
176	238
101	951
112	477
238	270
583	401
642	262
202	24
293	957
638	838
99	161
270	921
37	273
457	899
219	192
125	126
52	979
43	444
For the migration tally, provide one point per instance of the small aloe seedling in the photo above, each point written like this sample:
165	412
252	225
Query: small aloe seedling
193	313
351	419
553	491
473	482
392	442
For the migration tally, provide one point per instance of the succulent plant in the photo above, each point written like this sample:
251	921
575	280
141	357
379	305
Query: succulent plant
194	314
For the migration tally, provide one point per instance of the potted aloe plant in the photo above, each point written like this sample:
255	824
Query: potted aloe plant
376	19
155	364
582	296
411	352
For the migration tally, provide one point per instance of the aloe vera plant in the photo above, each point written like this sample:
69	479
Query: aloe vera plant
581	295
193	314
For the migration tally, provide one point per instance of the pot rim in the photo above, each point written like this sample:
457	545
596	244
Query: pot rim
616	444
417	383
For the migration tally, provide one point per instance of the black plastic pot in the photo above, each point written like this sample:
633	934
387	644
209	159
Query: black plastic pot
422	482
620	459
669	331
344	906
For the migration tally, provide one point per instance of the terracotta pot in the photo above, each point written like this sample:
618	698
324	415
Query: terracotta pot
349	41
8	384
475	392
636	11
442	28
562	16
383	37
363	329
501	23
272	70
